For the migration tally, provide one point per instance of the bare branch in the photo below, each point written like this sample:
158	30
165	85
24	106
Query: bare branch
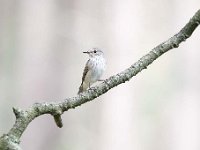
23	118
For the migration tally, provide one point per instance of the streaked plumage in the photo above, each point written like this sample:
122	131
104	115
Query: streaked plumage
94	69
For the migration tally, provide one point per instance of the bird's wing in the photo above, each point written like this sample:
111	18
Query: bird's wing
86	69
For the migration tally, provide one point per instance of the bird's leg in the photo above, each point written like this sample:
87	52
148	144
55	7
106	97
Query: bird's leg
90	88
89	85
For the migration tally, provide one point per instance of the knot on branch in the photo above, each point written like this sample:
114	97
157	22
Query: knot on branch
57	118
18	112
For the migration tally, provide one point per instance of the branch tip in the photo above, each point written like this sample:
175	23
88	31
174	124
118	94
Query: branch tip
58	120
18	112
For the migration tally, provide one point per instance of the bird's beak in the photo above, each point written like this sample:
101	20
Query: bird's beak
86	52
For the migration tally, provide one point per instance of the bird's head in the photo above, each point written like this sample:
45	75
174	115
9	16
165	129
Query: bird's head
94	52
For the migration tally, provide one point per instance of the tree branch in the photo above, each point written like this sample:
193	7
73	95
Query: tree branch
11	140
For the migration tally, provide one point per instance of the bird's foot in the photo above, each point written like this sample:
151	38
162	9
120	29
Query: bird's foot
92	89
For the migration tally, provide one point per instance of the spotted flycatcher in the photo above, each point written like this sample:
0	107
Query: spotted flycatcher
94	69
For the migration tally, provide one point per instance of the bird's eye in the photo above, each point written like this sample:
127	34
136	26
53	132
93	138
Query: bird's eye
95	51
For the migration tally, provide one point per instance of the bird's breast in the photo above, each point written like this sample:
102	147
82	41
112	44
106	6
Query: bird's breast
97	68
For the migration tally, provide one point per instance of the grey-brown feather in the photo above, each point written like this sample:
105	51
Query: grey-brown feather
83	77
93	70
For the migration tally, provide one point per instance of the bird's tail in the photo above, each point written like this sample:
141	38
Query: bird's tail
83	88
80	89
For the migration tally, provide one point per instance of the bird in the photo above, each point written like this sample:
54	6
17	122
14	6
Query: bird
94	68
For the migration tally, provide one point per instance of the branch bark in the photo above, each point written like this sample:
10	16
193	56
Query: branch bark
11	140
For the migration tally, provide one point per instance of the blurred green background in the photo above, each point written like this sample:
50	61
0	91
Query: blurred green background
41	44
